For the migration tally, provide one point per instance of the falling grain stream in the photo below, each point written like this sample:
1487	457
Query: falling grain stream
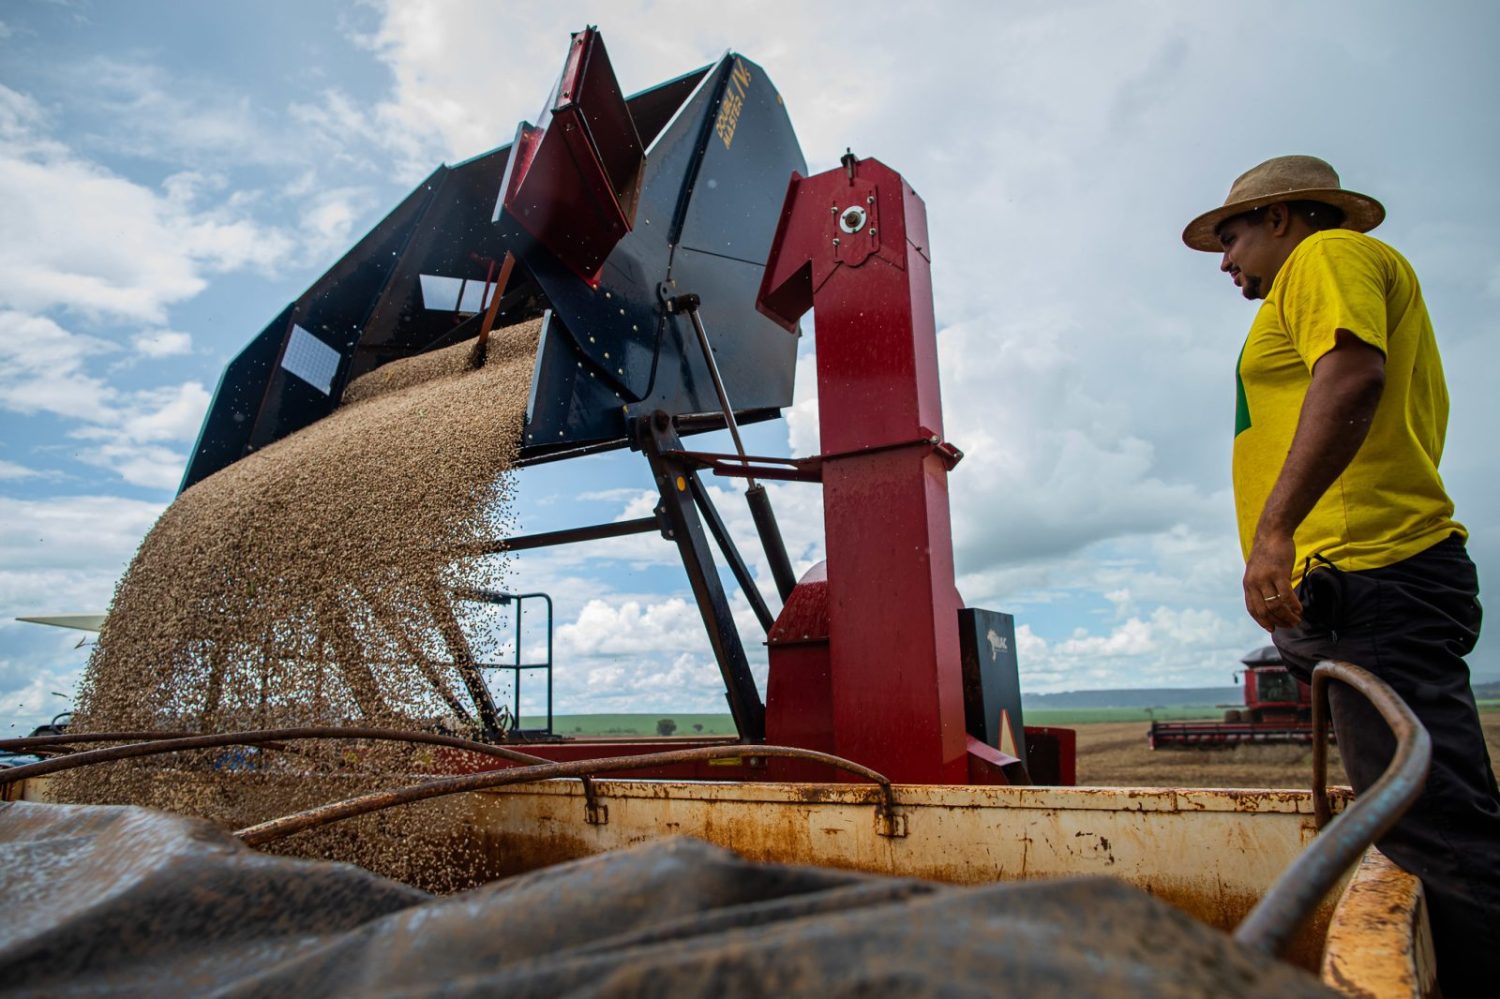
310	584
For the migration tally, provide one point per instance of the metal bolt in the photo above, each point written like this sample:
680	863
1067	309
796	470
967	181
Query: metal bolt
870	200
853	219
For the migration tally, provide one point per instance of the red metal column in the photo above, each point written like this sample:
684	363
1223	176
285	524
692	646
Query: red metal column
852	243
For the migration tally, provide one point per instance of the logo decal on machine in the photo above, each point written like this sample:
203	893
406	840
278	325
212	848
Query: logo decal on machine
733	102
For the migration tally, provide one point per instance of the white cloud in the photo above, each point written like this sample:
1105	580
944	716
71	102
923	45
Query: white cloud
628	628
145	111
683	683
150	467
78	237
163	343
621	495
43	369
30	689
58	555
11	470
329	221
94	534
173	413
18	114
803	429
1170	647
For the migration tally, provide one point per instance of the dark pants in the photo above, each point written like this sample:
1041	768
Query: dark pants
1411	624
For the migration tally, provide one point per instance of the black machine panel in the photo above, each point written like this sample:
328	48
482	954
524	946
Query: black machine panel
992	680
719	151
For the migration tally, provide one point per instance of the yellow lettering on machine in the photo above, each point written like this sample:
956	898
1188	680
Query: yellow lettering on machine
733	102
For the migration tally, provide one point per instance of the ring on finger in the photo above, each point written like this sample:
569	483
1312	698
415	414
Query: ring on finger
1272	598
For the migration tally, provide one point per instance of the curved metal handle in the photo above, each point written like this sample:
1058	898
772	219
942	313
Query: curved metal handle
1288	902
274	829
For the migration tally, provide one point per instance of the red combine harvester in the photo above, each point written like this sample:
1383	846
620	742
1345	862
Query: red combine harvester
1278	709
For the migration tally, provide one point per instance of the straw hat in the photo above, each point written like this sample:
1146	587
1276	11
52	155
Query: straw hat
1285	178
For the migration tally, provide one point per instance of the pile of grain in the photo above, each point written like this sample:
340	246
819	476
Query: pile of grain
311	584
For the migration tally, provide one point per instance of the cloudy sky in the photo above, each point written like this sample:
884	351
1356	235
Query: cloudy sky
171	175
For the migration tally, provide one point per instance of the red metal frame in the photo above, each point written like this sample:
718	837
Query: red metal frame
573	180
865	660
882	684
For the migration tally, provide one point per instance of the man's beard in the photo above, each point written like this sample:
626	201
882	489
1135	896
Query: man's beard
1250	287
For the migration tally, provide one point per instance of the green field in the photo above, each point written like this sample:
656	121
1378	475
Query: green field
644	724
634	724
1086	716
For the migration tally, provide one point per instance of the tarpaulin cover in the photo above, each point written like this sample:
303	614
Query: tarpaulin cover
116	900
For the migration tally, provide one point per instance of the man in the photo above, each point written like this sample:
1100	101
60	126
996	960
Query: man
1351	549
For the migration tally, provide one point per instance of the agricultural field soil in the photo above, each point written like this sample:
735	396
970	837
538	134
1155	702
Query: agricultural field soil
1115	755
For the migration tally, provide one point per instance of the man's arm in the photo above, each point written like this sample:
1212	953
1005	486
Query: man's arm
1346	386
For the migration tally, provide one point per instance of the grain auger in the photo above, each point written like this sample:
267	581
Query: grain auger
657	239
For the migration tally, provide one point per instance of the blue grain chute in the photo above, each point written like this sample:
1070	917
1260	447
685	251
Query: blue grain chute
610	206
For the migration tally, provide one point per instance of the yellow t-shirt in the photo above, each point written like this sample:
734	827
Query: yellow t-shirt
1389	503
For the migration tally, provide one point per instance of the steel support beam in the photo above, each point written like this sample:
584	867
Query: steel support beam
677	482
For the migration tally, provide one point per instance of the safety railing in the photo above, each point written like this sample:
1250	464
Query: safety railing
519	666
1341	841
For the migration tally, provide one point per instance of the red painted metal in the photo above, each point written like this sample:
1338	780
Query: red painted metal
573	180
894	675
1052	755
1272	693
1211	734
799	692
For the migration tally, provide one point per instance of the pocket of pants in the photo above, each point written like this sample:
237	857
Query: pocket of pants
1322	594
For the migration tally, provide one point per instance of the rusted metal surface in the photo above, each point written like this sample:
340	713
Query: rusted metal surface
1379	941
1341	842
266	832
1211	853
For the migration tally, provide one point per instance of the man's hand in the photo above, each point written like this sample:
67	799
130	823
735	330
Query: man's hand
1341	400
1268	582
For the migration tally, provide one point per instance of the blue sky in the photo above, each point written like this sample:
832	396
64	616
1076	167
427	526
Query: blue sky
173	174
